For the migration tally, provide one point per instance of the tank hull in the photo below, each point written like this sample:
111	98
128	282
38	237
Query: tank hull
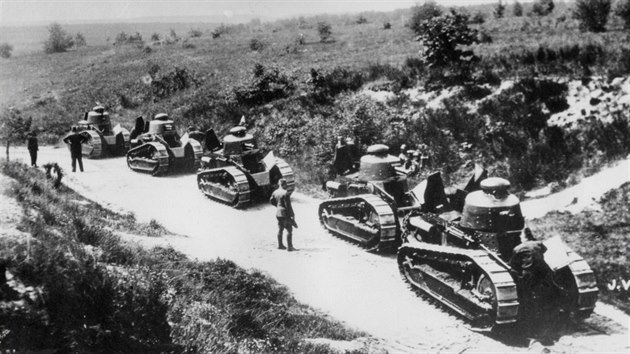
157	158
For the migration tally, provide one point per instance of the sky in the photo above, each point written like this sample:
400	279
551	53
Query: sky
16	12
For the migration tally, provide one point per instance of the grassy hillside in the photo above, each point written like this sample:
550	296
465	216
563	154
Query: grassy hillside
300	93
75	286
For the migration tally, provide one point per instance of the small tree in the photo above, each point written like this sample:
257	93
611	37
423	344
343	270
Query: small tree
58	39
155	36
623	10
5	50
478	18
442	36
325	31
592	14
543	7
499	10
423	13
387	25
517	9
79	40
14	127
361	20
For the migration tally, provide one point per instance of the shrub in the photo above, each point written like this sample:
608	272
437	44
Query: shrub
478	18
256	44
58	39
517	9
499	10
325	31
387	25
79	40
124	38
13	127
592	14
155	36
265	86
219	31
194	33
5	50
423	13
623	10
361	20
176	80
543	7
442	36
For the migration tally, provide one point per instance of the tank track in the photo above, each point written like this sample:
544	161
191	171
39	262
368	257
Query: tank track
151	157
237	196
582	286
451	276
93	148
287	173
347	221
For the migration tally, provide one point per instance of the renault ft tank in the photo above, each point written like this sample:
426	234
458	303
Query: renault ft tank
235	172
474	255
364	204
101	139
158	149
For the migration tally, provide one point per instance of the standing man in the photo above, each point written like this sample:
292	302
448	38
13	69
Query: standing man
281	199
33	147
75	140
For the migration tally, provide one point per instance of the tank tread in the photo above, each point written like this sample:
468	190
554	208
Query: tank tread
586	283
287	173
347	223
93	148
447	287
237	195
150	157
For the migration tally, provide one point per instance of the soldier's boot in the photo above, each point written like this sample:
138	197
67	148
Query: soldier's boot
290	242
280	245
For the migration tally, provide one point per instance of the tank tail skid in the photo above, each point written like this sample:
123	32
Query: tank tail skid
93	147
364	218
468	282
150	157
287	173
581	285
227	185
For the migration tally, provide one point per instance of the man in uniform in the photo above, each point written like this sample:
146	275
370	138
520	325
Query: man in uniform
33	147
281	199
75	140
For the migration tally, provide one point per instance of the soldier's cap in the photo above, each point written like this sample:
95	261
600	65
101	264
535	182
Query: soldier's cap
282	181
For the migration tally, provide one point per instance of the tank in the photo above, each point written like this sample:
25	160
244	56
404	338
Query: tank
366	198
468	250
157	148
101	139
235	172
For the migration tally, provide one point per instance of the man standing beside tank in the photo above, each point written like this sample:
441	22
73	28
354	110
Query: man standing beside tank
281	199
75	140
33	147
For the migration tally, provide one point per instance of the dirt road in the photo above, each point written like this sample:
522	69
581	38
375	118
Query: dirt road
362	289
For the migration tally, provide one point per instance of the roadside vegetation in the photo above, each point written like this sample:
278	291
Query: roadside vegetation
74	285
600	236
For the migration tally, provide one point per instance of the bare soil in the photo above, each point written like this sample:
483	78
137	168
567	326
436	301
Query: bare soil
360	288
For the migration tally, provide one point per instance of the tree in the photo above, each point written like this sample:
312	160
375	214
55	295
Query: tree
5	50
58	39
517	9
155	36
543	7
14	127
499	10
79	40
423	13
325	31
623	10
592	14
442	36
478	18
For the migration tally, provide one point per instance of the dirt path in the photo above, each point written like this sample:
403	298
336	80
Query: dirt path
362	289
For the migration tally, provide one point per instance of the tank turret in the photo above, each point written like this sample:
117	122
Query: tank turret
493	208
377	165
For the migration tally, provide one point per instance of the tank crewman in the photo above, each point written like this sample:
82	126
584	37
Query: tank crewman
281	199
540	293
33	147
75	140
403	154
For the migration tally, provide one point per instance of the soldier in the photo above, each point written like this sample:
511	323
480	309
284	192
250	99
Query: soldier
403	154
281	199
33	147
75	140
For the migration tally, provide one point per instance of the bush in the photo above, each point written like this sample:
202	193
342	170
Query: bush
499	10
361	20
155	36
387	25
5	50
58	40
543	7
194	33
265	86
124	38
256	44
442	36
478	18
517	9
325	31
592	14
79	40
623	10
423	13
